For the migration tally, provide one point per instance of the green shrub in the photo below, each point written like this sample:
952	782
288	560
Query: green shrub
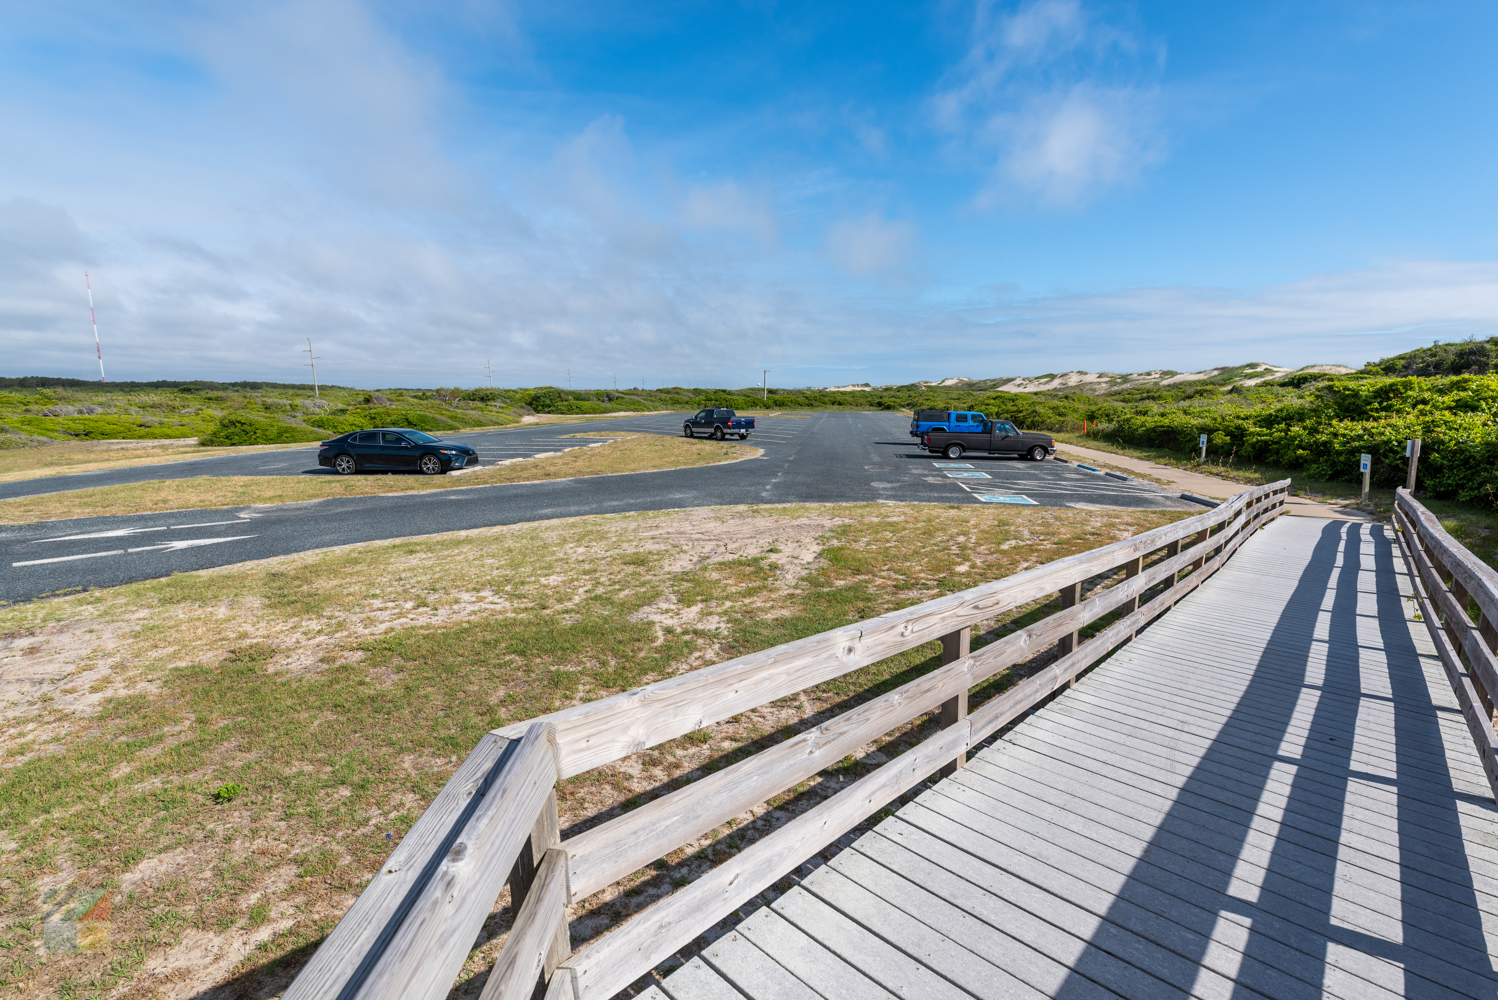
579	406
235	429
357	418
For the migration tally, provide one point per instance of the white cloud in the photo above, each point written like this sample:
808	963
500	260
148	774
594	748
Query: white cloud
870	246
1063	103
1342	318
729	206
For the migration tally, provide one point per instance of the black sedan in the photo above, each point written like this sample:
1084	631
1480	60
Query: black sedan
394	449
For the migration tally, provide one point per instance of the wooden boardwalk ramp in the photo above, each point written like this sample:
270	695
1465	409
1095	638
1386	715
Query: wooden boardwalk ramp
1271	792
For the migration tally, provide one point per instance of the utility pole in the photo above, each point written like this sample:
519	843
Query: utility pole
569	379
1412	452
94	320
616	381
312	363
490	368
765	385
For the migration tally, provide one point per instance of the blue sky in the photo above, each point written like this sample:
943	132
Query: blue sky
686	193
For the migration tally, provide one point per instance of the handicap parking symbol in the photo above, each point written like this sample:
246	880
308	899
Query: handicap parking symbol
968	475
953	465
1017	498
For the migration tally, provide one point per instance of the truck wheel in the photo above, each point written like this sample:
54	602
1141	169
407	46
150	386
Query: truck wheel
718	434
954	450
743	437
1037	454
686	431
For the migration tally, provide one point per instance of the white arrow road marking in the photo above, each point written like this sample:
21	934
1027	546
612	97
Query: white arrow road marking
86	555
119	532
189	543
181	543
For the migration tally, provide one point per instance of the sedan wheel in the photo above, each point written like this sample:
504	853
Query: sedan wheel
686	431
954	450
345	465
430	465
717	434
1037	454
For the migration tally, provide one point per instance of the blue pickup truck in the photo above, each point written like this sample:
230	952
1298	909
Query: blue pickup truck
945	420
717	424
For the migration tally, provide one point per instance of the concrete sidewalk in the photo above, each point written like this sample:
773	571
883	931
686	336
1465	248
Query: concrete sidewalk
1203	486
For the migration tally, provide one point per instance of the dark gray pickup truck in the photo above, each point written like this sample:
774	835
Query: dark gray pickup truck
995	437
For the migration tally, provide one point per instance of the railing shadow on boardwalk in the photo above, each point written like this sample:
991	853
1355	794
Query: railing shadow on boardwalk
1287	935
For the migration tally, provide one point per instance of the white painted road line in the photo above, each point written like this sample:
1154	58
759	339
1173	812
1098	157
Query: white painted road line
182	543
121	532
58	559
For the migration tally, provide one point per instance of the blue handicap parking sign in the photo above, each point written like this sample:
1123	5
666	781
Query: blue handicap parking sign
1011	499
954	465
968	475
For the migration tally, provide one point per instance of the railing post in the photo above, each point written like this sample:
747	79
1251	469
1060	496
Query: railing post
1132	568
545	835
1200	542
955	646
1071	596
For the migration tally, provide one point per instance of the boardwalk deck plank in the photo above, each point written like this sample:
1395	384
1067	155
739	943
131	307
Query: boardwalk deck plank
1270	791
696	980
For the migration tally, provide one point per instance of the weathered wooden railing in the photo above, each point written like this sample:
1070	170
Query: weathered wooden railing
1447	580
410	932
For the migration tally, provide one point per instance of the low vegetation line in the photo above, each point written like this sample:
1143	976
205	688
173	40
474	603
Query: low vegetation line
624	453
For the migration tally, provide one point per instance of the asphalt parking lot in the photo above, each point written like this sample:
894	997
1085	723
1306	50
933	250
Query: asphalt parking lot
819	458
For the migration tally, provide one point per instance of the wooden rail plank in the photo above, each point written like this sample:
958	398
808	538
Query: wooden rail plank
427	951
1478	723
1475	576
610	964
362	933
611	850
1460	630
606	730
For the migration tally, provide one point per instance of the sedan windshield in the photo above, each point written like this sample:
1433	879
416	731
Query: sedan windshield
419	437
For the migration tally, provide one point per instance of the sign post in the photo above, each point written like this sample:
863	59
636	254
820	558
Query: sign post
1364	465
1203	460
1411	452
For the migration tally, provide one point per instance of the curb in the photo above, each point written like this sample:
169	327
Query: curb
1204	501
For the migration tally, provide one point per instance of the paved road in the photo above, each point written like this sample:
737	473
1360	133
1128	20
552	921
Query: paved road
823	458
493	446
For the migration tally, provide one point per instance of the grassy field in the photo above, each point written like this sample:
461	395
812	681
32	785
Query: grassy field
62	458
626	453
231	754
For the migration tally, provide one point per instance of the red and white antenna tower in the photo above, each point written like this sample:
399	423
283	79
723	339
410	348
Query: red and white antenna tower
99	350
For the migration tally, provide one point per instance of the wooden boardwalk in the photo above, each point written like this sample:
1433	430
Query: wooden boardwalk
1269	793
